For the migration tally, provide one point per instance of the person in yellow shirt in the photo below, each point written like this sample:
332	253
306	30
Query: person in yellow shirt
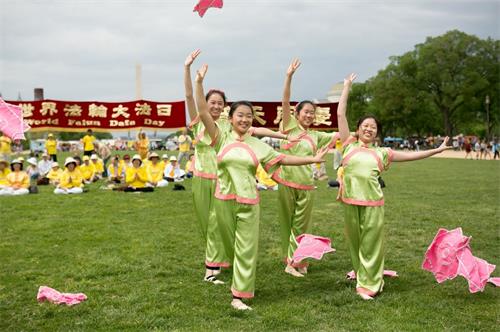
4	171
337	155
87	170
71	180
164	161
116	170
136	176
189	169
51	147
5	146
98	166
142	145
155	171
88	143
18	181
264	181
184	146
54	174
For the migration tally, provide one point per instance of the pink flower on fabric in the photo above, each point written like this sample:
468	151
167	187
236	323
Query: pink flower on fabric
311	246
203	6
49	294
11	121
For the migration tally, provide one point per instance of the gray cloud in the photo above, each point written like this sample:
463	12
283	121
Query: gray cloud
83	50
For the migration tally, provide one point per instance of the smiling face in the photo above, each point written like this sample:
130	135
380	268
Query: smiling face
215	105
306	115
367	130
241	119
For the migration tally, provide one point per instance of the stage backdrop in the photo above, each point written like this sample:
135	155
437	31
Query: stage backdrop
62	115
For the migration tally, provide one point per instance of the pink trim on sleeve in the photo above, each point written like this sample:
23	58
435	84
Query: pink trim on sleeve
243	295
354	151
274	161
348	141
194	121
244	146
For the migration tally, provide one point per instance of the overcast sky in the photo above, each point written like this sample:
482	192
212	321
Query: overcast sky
87	49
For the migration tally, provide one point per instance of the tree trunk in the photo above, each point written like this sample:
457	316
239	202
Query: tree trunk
448	126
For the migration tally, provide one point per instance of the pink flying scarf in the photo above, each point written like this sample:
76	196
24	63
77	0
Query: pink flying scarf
311	246
450	255
49	294
203	6
11	121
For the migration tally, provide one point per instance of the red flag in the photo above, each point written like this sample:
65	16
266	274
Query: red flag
203	6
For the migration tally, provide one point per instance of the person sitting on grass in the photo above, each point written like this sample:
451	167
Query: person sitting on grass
17	181
116	171
173	171
125	163
71	180
98	166
88	171
137	177
44	167
4	171
155	171
32	169
55	174
164	161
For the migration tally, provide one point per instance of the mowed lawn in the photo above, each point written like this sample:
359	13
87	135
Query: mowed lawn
139	258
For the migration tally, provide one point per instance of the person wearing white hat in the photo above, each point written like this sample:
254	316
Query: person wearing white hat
155	171
17	181
4	171
44	167
32	169
54	174
173	171
136	176
71	180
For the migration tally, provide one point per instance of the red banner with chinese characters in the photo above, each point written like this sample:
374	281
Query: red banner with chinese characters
104	116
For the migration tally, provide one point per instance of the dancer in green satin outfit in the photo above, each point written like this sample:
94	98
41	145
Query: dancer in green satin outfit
296	193
362	195
205	168
237	201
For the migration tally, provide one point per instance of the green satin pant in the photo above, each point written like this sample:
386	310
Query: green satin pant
238	226
364	230
295	211
203	197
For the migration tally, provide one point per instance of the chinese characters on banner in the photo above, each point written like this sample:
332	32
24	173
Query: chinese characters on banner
104	116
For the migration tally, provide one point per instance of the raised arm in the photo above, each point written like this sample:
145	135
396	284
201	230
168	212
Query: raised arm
201	103
341	110
297	161
410	156
188	85
285	103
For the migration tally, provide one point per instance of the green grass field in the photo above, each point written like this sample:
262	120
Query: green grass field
139	259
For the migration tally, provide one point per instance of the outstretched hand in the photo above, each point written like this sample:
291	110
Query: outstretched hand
200	74
444	146
293	67
191	57
349	79
320	155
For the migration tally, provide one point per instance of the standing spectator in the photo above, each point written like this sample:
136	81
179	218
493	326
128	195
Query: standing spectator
184	146
477	148
494	150
5	147
142	145
417	147
487	150
88	143
468	148
189	167
51	147
337	155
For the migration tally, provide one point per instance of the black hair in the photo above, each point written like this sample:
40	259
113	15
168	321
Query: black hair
89	130
218	92
370	116
237	104
303	103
